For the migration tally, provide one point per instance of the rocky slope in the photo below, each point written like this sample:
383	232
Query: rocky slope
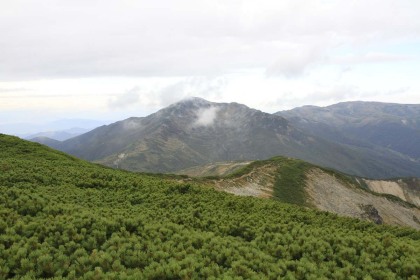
407	189
325	190
328	193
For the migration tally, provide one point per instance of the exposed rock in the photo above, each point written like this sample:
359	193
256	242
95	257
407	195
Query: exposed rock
330	194
371	213
407	189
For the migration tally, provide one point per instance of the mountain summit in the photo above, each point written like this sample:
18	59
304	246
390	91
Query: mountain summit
190	132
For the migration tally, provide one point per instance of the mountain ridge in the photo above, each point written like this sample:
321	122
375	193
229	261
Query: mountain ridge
391	126
196	131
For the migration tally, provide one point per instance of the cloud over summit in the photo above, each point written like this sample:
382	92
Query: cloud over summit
206	116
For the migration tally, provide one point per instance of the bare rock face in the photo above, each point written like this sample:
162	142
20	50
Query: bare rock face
407	189
329	193
372	214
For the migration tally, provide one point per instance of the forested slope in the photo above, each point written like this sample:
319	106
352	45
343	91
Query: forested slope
63	217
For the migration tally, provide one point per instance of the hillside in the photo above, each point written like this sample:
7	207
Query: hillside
298	182
196	132
381	126
46	141
64	217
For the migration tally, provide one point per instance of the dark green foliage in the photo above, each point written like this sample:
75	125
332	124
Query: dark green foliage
290	182
289	185
62	217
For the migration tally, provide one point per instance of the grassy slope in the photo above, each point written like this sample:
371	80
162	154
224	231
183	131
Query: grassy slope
63	217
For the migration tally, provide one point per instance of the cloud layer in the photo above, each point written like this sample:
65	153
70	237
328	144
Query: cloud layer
47	39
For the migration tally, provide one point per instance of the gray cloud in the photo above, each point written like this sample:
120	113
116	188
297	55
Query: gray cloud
127	99
48	39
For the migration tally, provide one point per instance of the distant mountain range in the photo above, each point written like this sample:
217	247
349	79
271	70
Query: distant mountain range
60	135
373	125
195	132
39	128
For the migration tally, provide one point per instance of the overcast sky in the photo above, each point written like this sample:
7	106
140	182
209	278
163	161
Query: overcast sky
109	60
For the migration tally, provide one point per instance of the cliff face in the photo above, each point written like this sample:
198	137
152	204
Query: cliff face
407	189
328	193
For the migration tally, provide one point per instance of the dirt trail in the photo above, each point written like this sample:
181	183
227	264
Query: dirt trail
214	169
259	182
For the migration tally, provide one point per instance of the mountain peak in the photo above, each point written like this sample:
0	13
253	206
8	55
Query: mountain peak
193	101
185	107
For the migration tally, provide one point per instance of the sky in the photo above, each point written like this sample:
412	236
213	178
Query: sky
109	60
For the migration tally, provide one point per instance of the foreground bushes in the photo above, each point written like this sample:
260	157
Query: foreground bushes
61	217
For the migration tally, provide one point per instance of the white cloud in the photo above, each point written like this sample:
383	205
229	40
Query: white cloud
206	116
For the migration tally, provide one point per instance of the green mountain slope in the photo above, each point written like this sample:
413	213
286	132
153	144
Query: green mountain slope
195	132
63	217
